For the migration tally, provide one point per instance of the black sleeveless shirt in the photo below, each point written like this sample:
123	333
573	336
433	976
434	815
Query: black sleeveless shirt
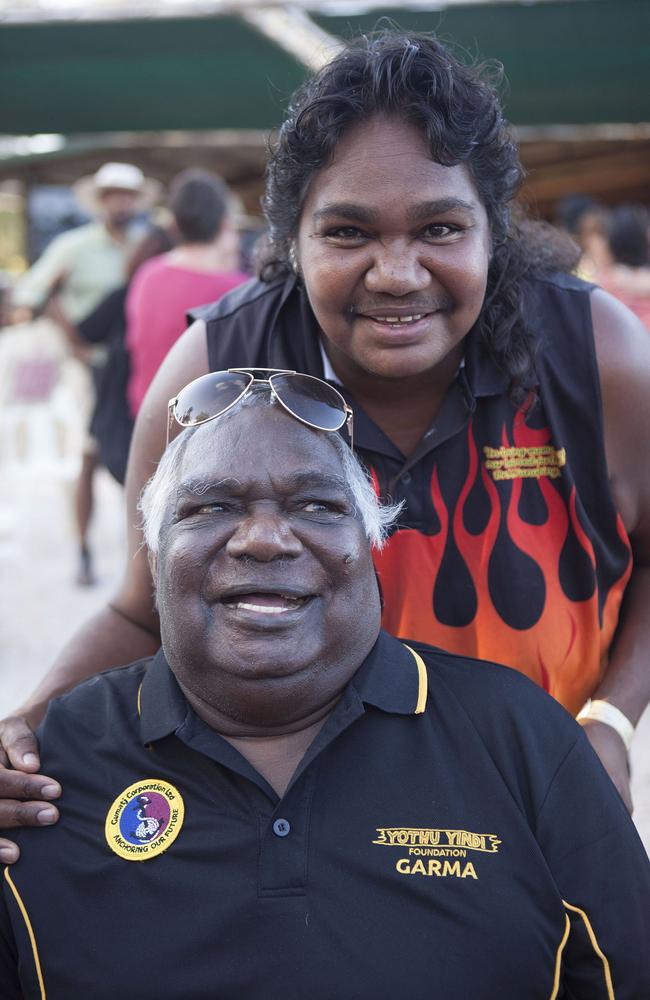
509	547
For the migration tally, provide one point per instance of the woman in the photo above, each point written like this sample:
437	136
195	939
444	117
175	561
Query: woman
201	268
396	271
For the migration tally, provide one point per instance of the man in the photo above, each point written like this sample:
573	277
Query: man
287	802
78	269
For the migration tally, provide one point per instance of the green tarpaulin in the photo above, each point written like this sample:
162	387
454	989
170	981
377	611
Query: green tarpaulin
577	63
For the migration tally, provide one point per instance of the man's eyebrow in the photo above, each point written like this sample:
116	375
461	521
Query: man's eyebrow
195	489
310	480
191	489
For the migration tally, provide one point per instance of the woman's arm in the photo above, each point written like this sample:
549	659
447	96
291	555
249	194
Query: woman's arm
623	353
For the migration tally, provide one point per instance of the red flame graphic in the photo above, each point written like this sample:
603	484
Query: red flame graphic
565	650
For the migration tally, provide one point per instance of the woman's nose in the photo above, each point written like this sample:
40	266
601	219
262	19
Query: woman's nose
397	270
264	536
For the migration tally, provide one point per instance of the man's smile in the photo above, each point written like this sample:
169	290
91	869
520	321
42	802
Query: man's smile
274	604
254	600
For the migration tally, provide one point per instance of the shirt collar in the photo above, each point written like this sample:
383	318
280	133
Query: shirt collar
484	377
393	677
161	703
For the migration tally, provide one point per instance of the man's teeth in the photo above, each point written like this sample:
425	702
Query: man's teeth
283	604
398	319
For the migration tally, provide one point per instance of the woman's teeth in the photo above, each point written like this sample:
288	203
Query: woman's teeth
398	320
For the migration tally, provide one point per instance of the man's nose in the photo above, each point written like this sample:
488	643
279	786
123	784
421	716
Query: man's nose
397	269
264	536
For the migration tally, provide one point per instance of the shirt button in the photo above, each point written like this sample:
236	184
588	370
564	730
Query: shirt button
281	827
405	479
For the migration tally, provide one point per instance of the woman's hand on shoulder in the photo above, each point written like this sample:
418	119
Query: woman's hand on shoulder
25	797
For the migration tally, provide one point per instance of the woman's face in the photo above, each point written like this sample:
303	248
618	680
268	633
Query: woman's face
393	249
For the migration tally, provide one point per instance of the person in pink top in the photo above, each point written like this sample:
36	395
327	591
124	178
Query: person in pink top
201	269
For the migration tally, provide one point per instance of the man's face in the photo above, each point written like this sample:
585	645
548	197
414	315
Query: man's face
266	590
118	207
394	251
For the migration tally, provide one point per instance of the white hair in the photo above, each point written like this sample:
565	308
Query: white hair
156	498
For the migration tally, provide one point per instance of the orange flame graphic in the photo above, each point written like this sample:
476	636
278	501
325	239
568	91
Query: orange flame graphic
565	650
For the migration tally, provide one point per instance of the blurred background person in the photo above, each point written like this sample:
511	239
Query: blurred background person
111	424
73	275
585	221
200	269
628	276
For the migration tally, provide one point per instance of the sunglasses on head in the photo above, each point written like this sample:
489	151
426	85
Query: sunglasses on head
309	399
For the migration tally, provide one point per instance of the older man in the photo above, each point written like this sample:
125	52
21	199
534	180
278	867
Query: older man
286	802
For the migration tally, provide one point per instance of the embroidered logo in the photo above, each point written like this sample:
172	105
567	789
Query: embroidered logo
144	820
437	846
525	463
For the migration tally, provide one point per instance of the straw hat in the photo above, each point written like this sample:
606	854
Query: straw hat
116	177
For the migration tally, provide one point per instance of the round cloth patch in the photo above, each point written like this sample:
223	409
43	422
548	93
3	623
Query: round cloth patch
144	820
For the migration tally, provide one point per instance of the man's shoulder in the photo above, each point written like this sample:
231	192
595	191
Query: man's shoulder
111	695
488	690
526	733
80	236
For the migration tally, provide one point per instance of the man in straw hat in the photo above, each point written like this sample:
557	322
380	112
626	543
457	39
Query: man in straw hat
81	266
78	269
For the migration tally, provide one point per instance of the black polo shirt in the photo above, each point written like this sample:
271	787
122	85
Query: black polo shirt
449	834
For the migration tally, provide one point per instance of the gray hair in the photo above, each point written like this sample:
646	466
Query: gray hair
155	500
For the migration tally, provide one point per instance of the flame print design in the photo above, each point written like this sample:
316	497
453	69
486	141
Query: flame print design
491	583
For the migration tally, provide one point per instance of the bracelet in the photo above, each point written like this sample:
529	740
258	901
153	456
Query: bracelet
602	711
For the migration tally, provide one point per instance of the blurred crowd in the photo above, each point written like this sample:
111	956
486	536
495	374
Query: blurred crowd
119	288
615	245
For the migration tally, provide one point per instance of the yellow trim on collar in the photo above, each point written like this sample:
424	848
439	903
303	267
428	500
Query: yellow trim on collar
139	702
30	932
423	681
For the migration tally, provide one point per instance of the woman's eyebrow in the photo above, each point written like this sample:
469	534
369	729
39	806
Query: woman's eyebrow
363	213
438	206
346	210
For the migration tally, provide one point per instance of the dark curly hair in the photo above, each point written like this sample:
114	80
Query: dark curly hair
414	77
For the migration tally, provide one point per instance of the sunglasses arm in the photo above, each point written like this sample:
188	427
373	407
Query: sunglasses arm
170	418
349	422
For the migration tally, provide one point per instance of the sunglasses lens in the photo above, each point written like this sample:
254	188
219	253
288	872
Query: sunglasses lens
209	395
311	400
